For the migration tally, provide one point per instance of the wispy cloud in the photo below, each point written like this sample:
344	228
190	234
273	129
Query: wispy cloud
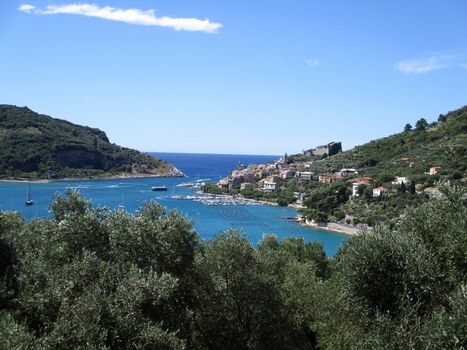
131	16
428	64
312	62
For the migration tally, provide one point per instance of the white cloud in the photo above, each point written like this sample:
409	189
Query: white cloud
26	8
428	64
132	16
420	65
312	62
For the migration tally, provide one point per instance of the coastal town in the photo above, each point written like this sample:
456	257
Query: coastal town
333	200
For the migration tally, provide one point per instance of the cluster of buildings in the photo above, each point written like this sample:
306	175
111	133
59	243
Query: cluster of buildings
398	181
265	177
270	177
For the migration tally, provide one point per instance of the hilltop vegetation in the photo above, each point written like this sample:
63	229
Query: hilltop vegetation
443	142
409	154
90	278
36	146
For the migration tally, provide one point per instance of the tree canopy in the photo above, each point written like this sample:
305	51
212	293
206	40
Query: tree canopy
95	278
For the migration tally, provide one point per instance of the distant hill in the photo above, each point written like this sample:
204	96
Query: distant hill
36	146
411	152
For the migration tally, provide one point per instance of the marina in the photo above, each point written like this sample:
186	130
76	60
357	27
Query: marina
213	200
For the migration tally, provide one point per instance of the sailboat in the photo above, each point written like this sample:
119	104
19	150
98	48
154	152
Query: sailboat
29	200
122	204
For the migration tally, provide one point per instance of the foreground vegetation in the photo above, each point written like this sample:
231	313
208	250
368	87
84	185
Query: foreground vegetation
35	146
99	279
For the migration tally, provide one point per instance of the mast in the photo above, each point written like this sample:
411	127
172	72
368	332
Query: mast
29	200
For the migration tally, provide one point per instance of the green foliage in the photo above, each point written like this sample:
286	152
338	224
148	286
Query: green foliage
447	329
408	154
213	189
36	146
328	198
443	144
384	273
385	177
285	198
100	279
402	289
421	124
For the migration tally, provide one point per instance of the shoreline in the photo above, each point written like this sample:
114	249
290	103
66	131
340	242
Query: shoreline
335	227
115	177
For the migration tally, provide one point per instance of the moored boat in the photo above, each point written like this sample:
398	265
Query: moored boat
29	200
186	184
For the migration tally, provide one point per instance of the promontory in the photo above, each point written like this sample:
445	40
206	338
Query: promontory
38	147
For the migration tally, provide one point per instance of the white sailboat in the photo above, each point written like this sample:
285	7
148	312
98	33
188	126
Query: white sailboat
29	200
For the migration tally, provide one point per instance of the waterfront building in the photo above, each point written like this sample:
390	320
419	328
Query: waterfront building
271	186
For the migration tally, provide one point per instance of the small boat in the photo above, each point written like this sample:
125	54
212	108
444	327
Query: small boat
159	188
186	184
29	200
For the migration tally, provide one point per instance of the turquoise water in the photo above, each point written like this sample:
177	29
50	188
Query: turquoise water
208	221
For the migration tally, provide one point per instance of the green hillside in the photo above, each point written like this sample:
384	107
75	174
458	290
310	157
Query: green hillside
36	146
409	154
441	143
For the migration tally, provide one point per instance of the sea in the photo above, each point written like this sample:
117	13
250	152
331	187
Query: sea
130	194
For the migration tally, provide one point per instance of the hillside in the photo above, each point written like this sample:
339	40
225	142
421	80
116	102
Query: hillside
422	157
36	146
374	183
441	143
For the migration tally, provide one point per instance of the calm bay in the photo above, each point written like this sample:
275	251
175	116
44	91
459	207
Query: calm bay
131	194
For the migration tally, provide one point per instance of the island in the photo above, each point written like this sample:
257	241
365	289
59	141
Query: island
38	147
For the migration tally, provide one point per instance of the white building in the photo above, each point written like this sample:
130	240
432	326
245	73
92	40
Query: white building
347	171
304	175
270	186
401	180
380	192
355	186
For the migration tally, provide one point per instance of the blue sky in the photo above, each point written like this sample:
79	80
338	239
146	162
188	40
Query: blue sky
251	77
